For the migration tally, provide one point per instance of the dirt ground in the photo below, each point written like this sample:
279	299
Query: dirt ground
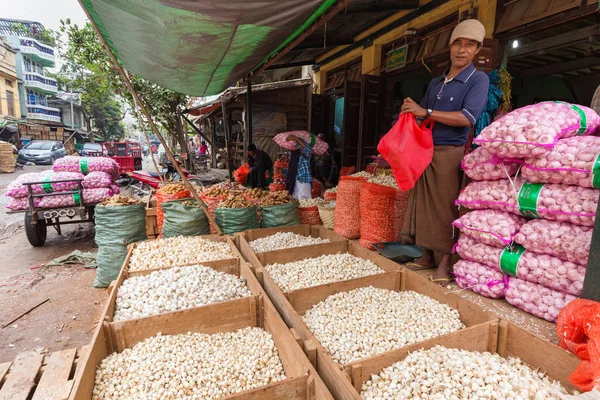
65	321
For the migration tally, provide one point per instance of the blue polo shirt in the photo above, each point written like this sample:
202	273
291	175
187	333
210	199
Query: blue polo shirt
466	92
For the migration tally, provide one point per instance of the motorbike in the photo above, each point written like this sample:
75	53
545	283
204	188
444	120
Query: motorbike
142	183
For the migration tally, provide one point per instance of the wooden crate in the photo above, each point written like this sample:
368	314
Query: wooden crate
337	244
114	331
501	337
151	223
293	304
216	238
40	377
302	380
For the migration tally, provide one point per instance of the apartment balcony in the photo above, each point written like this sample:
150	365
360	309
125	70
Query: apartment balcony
39	112
38	51
41	83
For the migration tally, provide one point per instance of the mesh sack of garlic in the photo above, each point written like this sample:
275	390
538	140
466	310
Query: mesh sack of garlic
190	366
384	180
283	240
310	202
175	289
368	321
320	270
453	374
177	251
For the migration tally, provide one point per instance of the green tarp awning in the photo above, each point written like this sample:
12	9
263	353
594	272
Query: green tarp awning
200	47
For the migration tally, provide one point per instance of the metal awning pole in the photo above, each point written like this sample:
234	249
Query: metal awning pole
143	127
591	284
138	101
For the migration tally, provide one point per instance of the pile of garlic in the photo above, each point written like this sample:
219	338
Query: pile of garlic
453	374
363	174
321	270
368	321
384	180
310	202
283	240
175	289
190	366
180	250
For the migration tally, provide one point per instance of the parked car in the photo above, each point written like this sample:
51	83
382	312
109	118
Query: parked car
41	152
91	150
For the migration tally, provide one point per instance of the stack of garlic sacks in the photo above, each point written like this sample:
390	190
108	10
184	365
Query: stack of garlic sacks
534	196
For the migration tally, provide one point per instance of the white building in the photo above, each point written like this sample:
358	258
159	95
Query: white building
32	57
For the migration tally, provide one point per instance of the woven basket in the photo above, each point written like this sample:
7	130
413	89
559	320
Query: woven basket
327	215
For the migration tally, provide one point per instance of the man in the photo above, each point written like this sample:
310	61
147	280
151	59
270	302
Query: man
303	177
454	101
327	171
259	163
203	148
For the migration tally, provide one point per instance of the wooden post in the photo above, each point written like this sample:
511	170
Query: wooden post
249	113
591	284
138	101
227	128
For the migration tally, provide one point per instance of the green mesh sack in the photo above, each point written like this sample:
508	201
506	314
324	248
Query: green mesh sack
232	220
183	219
279	215
116	227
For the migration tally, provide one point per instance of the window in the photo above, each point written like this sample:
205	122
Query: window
10	101
8	82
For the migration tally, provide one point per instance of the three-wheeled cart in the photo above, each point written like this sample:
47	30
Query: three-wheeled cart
37	220
127	154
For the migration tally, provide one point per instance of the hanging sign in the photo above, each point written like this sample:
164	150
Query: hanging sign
396	58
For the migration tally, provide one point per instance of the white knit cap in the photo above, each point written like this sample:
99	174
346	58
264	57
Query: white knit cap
468	29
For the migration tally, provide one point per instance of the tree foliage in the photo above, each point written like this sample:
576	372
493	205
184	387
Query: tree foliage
89	64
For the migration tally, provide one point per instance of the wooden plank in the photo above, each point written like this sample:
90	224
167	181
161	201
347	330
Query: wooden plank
475	338
381	261
304	299
294	389
253	234
4	367
221	317
540	354
356	375
228	265
21	378
55	383
310	349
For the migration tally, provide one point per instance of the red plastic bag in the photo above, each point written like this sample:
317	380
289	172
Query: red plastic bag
408	147
317	187
578	330
241	174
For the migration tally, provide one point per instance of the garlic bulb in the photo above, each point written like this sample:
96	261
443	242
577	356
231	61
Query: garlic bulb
320	270
190	366
175	251
363	174
175	289
367	321
453	374
283	240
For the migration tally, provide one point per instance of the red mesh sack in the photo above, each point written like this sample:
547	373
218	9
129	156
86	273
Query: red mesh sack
347	207
382	211
163	198
276	187
408	147
309	215
211	205
345	171
578	330
241	174
316	188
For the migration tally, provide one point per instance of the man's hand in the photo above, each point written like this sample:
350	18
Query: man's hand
409	106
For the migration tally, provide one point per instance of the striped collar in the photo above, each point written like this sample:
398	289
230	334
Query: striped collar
464	75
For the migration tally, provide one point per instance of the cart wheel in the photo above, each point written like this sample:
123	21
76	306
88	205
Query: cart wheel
36	233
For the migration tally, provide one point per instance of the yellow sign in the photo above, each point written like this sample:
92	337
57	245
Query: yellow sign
396	58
